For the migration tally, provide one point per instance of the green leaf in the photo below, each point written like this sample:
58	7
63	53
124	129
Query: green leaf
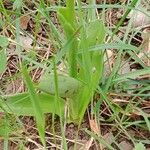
3	41
95	33
139	146
67	86
3	60
21	105
69	13
68	28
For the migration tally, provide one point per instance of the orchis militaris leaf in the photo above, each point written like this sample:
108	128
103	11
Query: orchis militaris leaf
68	21
21	105
67	86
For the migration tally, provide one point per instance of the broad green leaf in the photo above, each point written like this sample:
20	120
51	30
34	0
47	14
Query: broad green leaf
3	60
95	32
68	21
139	146
79	103
70	4
95	35
67	86
3	41
67	18
21	105
68	28
69	13
90	62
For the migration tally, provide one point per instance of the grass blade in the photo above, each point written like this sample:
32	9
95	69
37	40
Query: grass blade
39	116
134	74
